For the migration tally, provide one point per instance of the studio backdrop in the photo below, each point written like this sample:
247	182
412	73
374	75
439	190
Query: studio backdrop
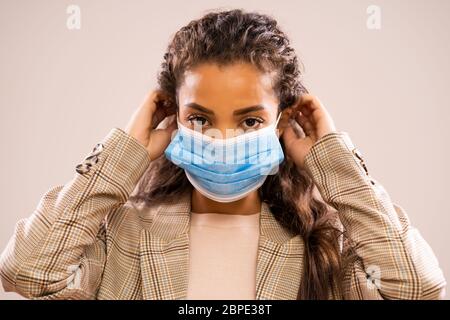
70	71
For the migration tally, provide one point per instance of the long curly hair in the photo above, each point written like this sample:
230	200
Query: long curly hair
224	37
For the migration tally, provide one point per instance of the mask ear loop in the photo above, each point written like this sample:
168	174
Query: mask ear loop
278	119
178	120
275	127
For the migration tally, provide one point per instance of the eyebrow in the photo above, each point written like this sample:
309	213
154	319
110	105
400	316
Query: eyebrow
198	107
238	112
248	110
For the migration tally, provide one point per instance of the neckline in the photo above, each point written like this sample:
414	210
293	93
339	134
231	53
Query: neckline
224	220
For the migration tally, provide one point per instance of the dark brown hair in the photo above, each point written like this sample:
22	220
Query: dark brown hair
225	37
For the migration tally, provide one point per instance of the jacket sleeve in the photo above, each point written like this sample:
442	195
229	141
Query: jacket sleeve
394	261
59	251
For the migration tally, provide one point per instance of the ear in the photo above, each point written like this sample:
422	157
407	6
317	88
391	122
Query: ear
284	120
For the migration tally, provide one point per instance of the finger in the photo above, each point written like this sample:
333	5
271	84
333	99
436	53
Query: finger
305	109
306	125
295	126
303	100
310	105
169	120
163	108
314	115
171	125
145	114
141	118
289	136
157	118
310	101
159	140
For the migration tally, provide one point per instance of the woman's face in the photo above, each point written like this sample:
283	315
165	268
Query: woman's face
228	100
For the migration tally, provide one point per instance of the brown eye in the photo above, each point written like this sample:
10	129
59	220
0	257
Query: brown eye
198	121
252	123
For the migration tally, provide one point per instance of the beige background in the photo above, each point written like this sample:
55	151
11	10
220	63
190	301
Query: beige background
61	91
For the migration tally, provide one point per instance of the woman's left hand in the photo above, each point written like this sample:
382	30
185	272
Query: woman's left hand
315	121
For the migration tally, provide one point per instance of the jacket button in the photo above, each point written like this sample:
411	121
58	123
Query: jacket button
97	149
359	155
91	160
83	168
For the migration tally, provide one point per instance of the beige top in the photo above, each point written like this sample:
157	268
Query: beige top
222	256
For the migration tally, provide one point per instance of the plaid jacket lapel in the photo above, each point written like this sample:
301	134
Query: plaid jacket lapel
164	252
164	255
280	260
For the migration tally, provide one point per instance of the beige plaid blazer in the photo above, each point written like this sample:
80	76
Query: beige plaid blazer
85	240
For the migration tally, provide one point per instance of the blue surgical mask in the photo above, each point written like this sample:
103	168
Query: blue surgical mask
226	170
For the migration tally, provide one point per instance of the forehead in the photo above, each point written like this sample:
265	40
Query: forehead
236	84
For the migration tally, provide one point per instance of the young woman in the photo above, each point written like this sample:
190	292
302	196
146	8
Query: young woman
151	213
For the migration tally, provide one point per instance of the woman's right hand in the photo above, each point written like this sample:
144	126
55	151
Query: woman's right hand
142	125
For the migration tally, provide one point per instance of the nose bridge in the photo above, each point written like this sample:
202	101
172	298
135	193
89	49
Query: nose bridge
226	127
230	130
